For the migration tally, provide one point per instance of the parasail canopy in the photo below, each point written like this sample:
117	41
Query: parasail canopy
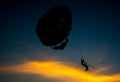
54	27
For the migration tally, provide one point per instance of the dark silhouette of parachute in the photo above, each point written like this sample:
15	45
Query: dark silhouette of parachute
54	27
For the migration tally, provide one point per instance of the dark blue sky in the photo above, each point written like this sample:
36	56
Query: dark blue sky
96	29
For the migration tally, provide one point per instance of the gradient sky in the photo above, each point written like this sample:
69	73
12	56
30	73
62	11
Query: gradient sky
96	29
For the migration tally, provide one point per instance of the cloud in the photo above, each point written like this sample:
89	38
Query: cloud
59	70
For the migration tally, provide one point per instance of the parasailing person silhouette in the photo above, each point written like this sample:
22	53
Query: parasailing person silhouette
80	57
85	64
54	27
83	61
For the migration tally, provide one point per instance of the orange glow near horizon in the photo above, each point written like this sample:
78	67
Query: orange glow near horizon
54	69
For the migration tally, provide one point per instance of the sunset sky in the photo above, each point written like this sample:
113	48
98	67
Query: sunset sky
95	29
